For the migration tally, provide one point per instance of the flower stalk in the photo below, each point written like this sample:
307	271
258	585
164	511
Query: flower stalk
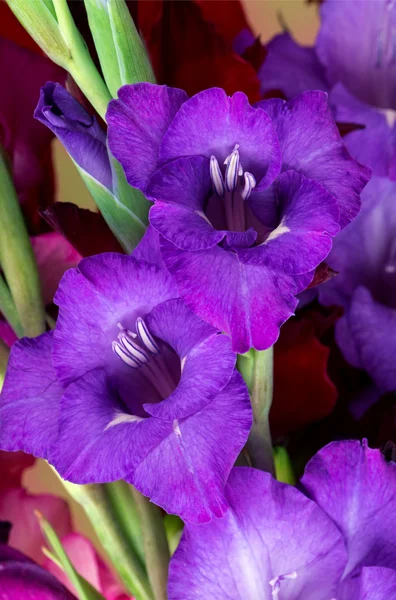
109	524
18	262
257	370
155	542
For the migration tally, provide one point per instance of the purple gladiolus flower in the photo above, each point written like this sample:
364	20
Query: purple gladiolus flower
365	256
79	132
130	385
275	542
247	198
21	578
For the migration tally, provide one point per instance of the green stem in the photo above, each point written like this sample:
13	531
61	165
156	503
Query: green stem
17	259
122	501
8	308
4	355
257	370
97	504
80	64
155	543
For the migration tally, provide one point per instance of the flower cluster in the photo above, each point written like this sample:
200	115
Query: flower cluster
242	207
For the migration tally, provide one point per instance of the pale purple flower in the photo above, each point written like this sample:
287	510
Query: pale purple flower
130	385
247	198
275	542
364	254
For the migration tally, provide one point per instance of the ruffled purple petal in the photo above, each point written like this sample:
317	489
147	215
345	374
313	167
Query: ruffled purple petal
374	583
270	530
368	321
311	144
247	302
137	122
357	48
308	217
79	132
206	358
105	290
30	397
373	146
212	123
356	487
186	473
291	68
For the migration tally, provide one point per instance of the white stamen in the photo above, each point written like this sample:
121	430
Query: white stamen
121	353
216	177
132	348
232	171
120	418
250	183
145	336
275	583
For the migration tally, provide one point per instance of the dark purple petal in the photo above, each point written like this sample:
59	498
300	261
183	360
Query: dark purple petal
247	302
374	583
79	132
206	358
105	290
356	487
212	123
137	123
308	219
148	249
375	144
357	47
29	400
311	144
291	68
270	530
195	458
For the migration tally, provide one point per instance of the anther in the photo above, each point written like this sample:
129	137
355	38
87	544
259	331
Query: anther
121	353
250	183
133	348
145	337
216	177
233	170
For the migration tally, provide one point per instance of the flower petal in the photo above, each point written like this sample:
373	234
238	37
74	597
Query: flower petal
195	458
206	357
137	123
30	398
374	583
269	530
355	486
311	144
247	302
308	217
213	123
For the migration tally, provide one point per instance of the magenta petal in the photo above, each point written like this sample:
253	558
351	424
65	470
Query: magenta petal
308	217
311	144
137	122
29	400
212	123
356	487
247	302
269	530
194	460
206	358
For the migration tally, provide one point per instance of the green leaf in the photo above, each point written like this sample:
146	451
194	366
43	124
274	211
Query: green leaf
283	466
99	24
125	224
133	61
84	590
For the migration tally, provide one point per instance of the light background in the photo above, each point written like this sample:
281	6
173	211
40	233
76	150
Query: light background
264	16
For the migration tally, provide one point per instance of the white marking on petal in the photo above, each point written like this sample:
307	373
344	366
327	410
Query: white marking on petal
390	116
182	363
203	216
120	418
176	428
280	230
